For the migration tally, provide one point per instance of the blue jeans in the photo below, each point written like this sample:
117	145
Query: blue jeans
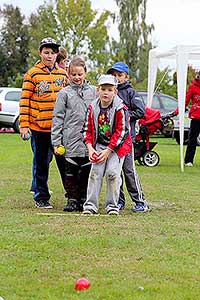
50	156
41	146
60	161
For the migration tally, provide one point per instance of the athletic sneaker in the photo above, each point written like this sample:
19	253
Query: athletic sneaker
140	207
47	204
121	205
32	191
43	204
189	164
88	212
72	205
113	212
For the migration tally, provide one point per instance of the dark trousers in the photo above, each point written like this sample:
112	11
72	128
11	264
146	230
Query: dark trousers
192	143
77	171
50	157
132	181
42	156
41	145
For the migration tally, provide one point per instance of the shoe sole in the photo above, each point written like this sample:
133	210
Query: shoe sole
74	210
47	207
140	211
113	213
44	207
87	212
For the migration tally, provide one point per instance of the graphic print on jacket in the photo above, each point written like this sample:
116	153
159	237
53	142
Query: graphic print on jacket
39	92
104	126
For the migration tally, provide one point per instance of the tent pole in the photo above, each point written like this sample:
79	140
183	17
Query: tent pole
161	80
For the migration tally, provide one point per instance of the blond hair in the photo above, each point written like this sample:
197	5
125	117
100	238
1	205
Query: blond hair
77	61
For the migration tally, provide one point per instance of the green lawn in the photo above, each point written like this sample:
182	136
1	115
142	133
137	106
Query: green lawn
153	256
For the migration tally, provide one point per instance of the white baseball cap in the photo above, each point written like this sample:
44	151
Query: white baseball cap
107	79
49	42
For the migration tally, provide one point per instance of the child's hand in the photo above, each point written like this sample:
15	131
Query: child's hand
93	155
59	150
25	133
103	155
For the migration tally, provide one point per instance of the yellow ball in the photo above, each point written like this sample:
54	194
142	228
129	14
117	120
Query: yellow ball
60	150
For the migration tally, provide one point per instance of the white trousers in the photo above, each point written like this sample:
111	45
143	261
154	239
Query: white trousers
111	169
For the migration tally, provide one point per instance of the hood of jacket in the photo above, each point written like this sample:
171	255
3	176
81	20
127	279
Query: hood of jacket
116	104
86	84
124	85
196	82
43	67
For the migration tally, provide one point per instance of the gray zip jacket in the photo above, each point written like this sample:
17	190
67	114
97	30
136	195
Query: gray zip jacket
69	117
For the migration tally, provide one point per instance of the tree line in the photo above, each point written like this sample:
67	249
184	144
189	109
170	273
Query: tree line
82	31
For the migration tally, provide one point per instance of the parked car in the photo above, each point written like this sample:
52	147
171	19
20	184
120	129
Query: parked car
164	103
9	107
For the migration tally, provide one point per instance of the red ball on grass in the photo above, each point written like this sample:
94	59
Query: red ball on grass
82	284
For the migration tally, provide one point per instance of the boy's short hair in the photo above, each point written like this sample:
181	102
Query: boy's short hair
120	67
50	43
77	61
107	79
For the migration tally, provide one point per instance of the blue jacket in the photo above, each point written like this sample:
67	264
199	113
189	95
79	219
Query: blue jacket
134	103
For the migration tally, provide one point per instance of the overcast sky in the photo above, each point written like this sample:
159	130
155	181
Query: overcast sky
176	21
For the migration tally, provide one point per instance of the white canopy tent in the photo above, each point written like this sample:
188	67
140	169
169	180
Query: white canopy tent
181	54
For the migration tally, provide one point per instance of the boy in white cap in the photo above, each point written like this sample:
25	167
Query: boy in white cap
107	135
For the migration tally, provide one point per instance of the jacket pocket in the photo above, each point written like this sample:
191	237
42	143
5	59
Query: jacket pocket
194	112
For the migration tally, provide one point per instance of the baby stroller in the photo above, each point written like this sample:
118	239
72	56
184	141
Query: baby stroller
152	123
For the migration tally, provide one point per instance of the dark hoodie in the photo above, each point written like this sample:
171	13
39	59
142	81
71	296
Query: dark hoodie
134	103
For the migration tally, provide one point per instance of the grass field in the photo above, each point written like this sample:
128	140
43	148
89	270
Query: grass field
153	256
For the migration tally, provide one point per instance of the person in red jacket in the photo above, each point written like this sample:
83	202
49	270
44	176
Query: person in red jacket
107	136
193	95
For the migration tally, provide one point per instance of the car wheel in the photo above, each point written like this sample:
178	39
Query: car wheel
16	126
185	138
151	159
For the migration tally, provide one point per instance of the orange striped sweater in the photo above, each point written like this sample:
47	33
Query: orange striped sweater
39	92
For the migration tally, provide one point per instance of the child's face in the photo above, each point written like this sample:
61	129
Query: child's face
106	93
77	74
64	63
121	76
48	56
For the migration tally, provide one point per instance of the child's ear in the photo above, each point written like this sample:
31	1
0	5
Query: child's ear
115	91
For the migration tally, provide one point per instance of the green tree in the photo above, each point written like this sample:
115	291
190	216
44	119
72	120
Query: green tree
79	28
3	59
14	43
134	44
164	83
42	24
